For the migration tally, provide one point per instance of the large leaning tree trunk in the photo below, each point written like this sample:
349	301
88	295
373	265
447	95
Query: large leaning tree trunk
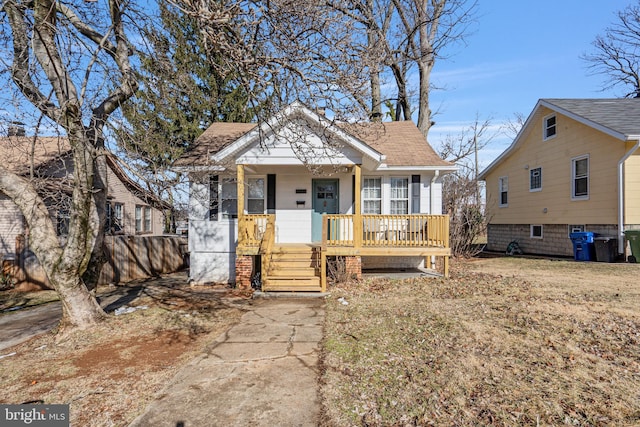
70	62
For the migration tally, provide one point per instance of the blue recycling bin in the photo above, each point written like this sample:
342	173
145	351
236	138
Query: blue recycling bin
584	248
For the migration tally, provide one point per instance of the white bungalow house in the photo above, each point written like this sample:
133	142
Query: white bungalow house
280	197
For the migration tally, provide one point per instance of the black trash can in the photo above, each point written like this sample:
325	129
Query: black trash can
606	249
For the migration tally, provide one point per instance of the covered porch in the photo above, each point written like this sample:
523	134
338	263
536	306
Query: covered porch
303	266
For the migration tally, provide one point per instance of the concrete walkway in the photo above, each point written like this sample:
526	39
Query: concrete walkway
261	372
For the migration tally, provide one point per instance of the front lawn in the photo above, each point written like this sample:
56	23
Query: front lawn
506	341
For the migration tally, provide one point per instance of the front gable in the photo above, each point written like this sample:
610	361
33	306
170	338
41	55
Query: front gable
294	137
298	142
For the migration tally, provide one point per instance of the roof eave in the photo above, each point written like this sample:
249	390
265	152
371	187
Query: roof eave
448	168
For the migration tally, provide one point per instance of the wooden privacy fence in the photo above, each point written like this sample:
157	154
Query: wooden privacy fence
139	257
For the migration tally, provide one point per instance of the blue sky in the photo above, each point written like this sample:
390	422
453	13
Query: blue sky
520	51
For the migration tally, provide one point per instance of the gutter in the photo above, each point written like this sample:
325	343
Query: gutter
621	196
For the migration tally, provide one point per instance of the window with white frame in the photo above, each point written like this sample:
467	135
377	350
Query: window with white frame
535	179
536	232
549	127
580	178
399	200
372	195
503	190
229	198
255	195
143	219
575	228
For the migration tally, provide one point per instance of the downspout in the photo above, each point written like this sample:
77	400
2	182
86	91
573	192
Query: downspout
431	209
621	197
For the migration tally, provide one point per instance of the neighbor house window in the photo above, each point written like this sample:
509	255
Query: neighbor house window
114	222
535	179
580	178
143	219
399	196
536	232
229	198
372	196
549	130
255	195
503	190
576	229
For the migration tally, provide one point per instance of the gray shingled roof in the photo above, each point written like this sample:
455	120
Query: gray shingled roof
618	115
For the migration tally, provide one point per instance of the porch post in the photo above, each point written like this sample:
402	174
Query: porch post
242	226
357	214
240	179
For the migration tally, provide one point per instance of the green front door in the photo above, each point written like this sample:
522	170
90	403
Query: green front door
325	201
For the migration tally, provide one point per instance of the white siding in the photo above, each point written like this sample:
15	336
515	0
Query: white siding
297	144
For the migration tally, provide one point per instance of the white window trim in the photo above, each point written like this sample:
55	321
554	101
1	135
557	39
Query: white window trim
545	128
222	216
533	190
408	199
531	231
573	177
500	181
264	194
580	227
381	199
142	219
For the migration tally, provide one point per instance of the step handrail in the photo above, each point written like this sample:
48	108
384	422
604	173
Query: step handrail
266	247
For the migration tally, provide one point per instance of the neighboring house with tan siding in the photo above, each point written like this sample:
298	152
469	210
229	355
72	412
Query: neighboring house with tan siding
48	163
574	166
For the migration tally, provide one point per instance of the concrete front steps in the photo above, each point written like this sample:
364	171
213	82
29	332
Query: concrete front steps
293	268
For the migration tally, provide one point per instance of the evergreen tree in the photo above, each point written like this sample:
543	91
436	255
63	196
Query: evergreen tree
181	93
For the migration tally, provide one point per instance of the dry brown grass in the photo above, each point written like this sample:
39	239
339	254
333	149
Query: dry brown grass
505	341
109	374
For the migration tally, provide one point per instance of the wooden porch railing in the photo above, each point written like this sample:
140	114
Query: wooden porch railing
252	228
417	230
266	248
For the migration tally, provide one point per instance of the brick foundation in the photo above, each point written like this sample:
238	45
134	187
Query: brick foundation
353	267
555	239
244	270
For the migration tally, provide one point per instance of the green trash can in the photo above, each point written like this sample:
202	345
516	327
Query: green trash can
633	236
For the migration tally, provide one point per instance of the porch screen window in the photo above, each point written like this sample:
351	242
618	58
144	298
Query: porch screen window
399	196
372	196
255	195
503	190
229	198
580	181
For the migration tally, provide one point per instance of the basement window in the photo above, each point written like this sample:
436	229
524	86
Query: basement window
536	232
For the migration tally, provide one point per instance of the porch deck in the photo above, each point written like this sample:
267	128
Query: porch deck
302	266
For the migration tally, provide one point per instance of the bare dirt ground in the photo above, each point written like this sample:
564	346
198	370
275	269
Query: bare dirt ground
505	341
110	373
